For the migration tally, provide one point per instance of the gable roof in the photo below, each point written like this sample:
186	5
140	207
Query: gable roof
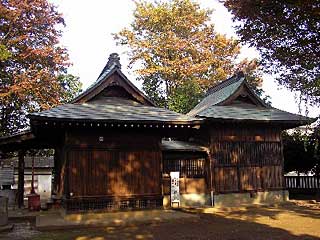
112	108
218	104
112	67
257	114
221	92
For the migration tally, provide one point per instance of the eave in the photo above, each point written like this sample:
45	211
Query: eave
17	137
284	124
113	123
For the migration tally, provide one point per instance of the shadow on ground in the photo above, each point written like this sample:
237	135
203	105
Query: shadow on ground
307	209
220	225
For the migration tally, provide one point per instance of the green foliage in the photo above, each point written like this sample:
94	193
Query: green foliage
71	87
178	53
185	97
286	33
152	85
253	73
314	139
4	53
299	152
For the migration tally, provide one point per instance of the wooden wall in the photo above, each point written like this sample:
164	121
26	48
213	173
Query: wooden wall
187	185
193	168
113	163
96	172
246	158
129	162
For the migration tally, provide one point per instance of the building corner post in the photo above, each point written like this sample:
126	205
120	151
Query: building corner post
20	196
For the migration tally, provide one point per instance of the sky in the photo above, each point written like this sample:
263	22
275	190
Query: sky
88	38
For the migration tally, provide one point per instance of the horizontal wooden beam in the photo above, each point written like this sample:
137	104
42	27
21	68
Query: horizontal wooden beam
119	125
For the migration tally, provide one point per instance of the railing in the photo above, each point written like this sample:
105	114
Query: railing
302	182
83	204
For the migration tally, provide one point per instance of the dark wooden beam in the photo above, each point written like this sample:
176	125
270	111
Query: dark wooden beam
210	174
66	187
211	177
21	155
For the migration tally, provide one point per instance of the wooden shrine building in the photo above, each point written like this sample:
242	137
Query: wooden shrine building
114	149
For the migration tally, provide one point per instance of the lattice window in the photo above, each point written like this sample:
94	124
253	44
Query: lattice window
191	168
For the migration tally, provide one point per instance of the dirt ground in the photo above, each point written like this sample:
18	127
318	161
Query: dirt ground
295	220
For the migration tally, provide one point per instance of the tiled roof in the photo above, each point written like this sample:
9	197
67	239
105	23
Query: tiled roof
219	93
241	113
213	105
113	65
112	109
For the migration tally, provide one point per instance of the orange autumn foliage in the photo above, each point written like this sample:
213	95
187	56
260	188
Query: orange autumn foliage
31	69
175	50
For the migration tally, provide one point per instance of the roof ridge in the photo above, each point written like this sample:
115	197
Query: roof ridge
99	79
113	62
111	67
214	96
234	78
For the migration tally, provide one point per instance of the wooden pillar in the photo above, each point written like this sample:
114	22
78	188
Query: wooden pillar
161	174
211	174
239	177
32	176
55	179
317	187
282	162
21	178
66	176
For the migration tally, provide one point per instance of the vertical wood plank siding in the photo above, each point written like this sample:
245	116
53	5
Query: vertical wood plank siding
247	153
125	163
246	158
97	172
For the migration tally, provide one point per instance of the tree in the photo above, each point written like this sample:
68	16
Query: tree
286	33
299	152
178	52
4	53
32	63
71	86
315	142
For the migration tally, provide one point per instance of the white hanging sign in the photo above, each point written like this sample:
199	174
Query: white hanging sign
175	193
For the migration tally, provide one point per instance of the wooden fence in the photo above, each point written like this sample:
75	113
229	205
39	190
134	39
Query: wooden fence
302	183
